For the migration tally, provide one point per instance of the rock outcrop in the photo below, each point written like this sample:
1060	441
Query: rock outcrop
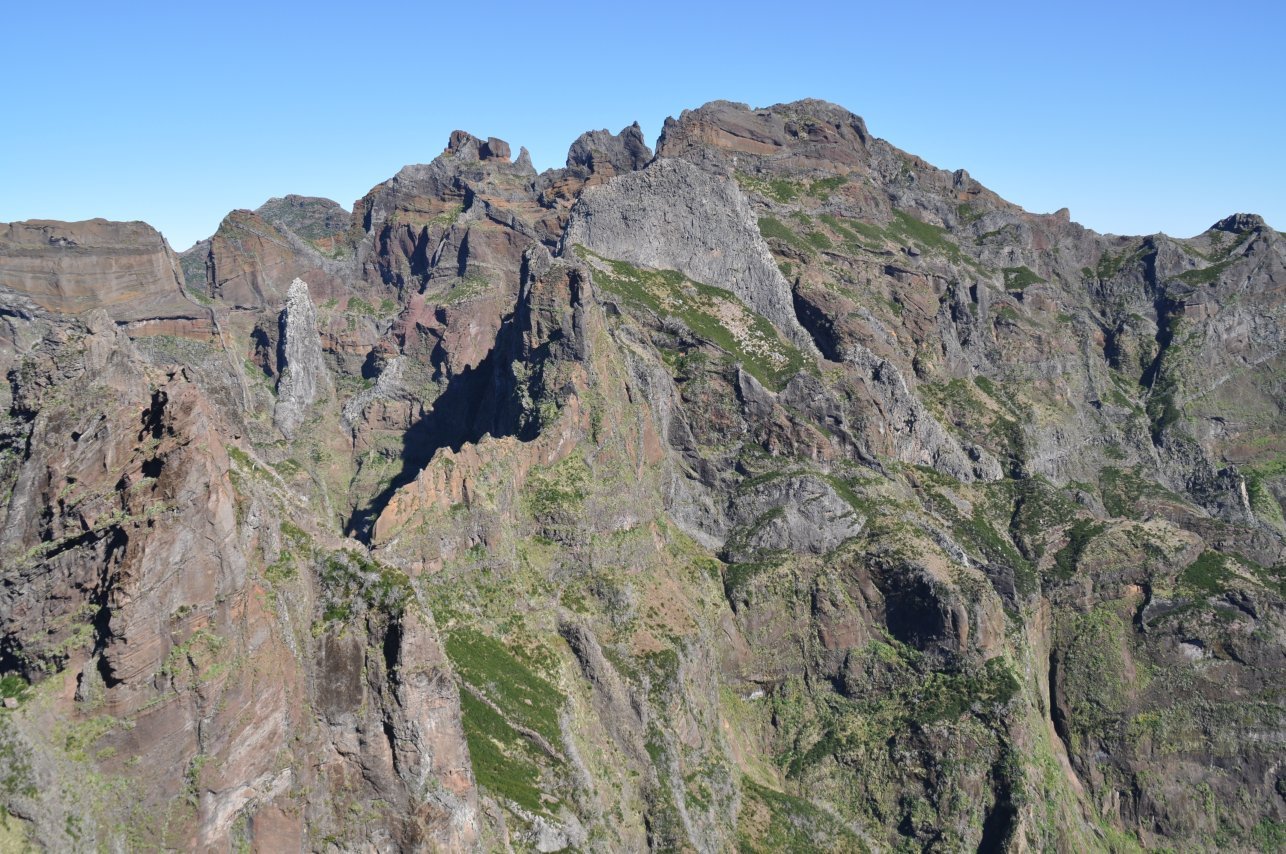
302	372
605	154
672	216
125	268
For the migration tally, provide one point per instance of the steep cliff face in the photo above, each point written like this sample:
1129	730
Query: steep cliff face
777	492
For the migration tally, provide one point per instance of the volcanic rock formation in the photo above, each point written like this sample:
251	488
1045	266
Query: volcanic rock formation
779	491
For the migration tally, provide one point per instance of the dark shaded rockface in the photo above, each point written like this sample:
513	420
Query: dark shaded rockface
777	492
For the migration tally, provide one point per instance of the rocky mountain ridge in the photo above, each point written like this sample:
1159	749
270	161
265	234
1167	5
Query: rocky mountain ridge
777	490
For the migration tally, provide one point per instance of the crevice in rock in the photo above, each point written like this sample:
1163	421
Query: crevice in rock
421	260
265	352
818	326
102	632
453	422
912	612
390	735
59	546
1056	713
998	825
12	659
102	621
1161	408
1141	612
153	418
462	257
1112	352
494	398
392	646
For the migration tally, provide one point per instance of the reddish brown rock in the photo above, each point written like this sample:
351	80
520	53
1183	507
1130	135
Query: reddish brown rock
124	268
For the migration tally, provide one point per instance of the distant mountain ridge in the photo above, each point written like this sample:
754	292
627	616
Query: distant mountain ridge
774	491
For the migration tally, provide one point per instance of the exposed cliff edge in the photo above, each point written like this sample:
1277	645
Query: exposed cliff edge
124	268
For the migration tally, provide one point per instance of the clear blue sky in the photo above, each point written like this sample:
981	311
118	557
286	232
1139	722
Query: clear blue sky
1140	117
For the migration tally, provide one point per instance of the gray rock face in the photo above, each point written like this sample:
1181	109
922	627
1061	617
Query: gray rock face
602	153
430	752
917	437
388	386
673	216
310	217
1239	223
797	514
304	377
471	148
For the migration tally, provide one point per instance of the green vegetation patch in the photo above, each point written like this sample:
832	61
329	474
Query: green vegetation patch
1208	574
1123	490
15	687
995	548
780	190
819	240
867	230
360	307
715	314
774	229
857	236
562	487
1109	264
737	577
77	738
524	697
955	400
889	693
949	696
1205	275
784	190
823	187
296	545
202	658
1269	835
976	533
1017	278
1039	507
473	285
1007	314
1079	536
349	578
13	833
1262	499
771	821
968	213
16	775
934	238
1094	675
503	761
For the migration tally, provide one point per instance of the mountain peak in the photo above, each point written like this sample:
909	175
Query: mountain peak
1239	223
470	147
603	152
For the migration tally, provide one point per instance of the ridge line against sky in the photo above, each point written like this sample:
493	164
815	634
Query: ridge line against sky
1157	117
